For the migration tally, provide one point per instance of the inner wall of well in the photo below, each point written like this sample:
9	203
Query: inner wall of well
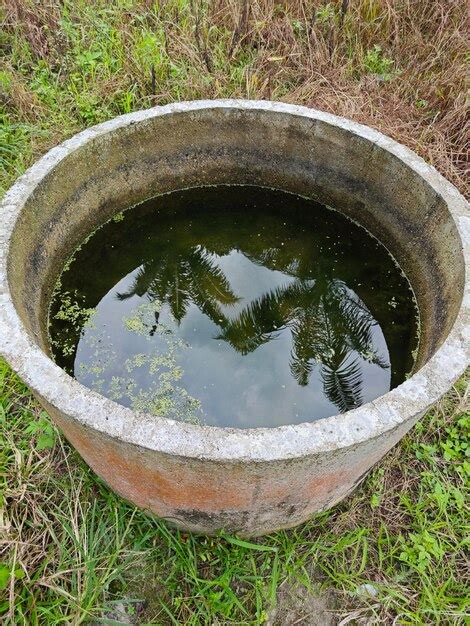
222	146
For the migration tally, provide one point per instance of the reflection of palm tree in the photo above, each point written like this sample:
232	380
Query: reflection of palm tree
181	277
330	326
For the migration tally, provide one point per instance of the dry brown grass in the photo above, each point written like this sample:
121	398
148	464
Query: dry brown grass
322	64
312	53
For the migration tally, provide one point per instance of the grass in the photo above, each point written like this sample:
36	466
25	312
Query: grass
71	551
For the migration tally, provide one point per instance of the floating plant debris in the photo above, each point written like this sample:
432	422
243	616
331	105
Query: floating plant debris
234	306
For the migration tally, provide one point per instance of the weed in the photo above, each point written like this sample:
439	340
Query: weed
376	63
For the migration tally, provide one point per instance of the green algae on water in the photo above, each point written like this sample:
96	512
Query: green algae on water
234	306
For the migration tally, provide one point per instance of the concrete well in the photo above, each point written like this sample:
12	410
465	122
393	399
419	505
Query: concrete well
206	478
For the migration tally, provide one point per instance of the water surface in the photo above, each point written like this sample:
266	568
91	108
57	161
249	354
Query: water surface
234	306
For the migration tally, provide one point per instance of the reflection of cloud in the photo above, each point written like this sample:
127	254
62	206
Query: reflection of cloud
248	279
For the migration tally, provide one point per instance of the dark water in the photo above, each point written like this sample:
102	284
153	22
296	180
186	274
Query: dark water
234	306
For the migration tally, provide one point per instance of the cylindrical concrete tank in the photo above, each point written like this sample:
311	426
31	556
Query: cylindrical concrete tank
203	478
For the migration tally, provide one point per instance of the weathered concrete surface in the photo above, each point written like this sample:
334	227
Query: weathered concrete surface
205	478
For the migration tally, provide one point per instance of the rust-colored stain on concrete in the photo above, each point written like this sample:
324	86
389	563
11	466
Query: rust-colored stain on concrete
179	486
208	489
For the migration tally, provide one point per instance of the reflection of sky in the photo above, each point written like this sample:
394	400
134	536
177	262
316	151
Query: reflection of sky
257	389
248	280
